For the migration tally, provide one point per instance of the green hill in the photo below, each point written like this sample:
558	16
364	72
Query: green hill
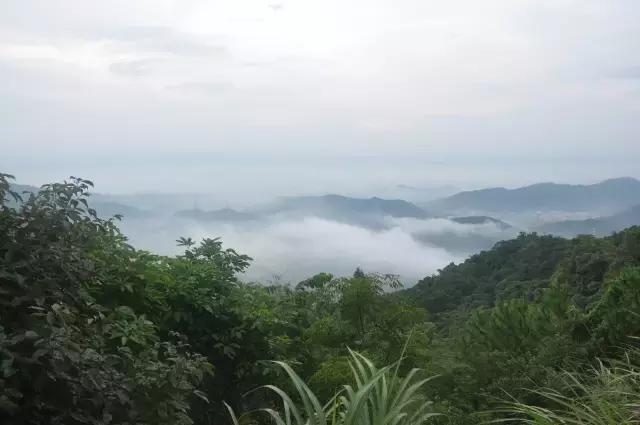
522	267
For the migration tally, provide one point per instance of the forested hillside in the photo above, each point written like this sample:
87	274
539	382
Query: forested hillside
538	329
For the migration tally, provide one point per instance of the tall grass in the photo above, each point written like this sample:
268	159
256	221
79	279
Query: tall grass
608	394
380	397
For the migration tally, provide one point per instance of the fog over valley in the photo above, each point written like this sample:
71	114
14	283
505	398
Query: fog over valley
202	118
294	237
291	250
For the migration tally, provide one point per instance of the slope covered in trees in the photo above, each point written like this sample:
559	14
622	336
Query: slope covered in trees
525	263
93	331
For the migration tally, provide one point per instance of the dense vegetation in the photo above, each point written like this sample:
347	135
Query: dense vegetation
93	331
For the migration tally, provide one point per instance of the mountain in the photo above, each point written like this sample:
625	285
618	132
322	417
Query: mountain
482	219
524	263
520	268
343	204
21	188
601	226
362	212
461	244
101	203
168	202
108	209
418	193
368	212
224	214
613	194
478	233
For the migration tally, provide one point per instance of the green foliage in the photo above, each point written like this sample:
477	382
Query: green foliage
615	319
379	396
315	282
606	394
93	331
518	315
512	269
331	376
517	325
97	332
65	357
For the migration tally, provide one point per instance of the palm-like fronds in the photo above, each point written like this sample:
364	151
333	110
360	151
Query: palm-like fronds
608	395
379	397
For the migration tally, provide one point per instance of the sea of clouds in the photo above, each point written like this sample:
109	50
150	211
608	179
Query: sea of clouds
289	250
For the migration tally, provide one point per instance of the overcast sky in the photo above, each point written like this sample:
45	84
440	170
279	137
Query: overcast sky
318	95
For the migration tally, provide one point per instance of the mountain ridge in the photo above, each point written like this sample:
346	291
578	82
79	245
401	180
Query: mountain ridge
612	194
598	226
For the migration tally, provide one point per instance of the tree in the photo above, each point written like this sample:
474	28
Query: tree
64	357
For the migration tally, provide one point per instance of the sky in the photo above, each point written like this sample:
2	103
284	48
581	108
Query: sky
309	96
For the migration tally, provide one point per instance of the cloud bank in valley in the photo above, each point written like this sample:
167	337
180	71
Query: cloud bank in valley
293	249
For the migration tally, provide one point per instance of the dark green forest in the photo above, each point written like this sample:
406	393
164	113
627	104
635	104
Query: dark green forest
539	330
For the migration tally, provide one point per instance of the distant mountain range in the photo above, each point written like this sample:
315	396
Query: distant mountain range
224	214
372	213
20	188
482	219
612	205
613	195
368	213
336	206
101	203
602	226
418	193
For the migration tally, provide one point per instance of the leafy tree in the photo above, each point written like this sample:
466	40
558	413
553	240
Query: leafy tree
64	357
317	281
615	318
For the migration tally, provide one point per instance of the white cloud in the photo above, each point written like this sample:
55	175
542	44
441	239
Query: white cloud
416	78
295	249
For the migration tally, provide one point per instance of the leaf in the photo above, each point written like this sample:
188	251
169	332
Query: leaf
201	395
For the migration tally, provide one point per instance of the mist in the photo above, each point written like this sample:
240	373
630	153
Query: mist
180	105
287	250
